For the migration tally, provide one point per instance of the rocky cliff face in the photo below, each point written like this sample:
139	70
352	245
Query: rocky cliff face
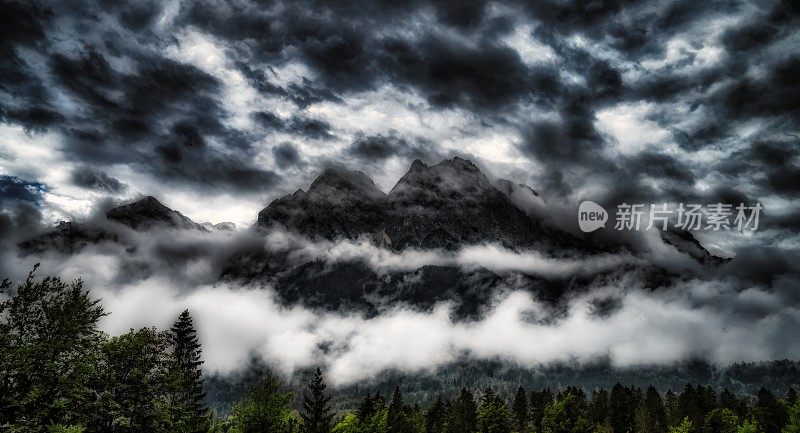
447	205
149	213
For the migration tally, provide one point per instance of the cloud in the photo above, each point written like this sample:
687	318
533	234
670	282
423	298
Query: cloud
223	106
87	177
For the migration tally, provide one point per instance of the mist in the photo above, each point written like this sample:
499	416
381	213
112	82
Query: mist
621	318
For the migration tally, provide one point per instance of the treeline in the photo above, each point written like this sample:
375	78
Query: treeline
619	410
60	374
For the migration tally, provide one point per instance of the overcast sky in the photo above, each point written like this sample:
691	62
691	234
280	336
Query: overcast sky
219	107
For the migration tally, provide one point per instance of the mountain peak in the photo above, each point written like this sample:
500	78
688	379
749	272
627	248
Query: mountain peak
340	184
455	178
338	203
147	213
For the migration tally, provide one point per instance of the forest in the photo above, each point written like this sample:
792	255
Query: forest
59	373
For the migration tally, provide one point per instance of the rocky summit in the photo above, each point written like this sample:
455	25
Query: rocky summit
149	213
447	205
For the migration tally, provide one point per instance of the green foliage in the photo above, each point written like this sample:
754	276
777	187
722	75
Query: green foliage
685	426
49	343
60	428
539	401
721	420
347	424
793	426
621	409
463	414
265	408
771	413
133	377
566	415
651	416
749	426
520	409
435	417
494	416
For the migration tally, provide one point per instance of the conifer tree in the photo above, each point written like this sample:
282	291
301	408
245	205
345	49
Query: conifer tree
598	406
494	416
435	417
770	412
620	409
317	415
396	421
190	411
539	401
520	409
463	414
366	409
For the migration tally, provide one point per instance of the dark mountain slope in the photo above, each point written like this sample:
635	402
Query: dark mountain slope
149	213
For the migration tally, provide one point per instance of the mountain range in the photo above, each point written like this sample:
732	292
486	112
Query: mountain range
443	208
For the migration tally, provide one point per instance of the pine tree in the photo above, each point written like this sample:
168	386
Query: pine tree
770	413
656	415
520	409
366	409
435	417
620	409
463	414
598	407
396	421
539	401
494	416
317	415
190	411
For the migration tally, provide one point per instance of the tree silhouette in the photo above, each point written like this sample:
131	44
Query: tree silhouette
191	413
316	414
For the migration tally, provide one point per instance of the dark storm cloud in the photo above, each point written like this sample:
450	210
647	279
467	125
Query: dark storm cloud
353	57
22	25
303	94
286	155
90	178
302	126
371	148
161	117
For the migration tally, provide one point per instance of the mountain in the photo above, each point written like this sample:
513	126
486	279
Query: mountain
685	242
442	207
67	238
447	205
432	209
149	213
338	204
70	237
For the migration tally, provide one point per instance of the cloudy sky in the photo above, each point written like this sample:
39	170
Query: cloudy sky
219	107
